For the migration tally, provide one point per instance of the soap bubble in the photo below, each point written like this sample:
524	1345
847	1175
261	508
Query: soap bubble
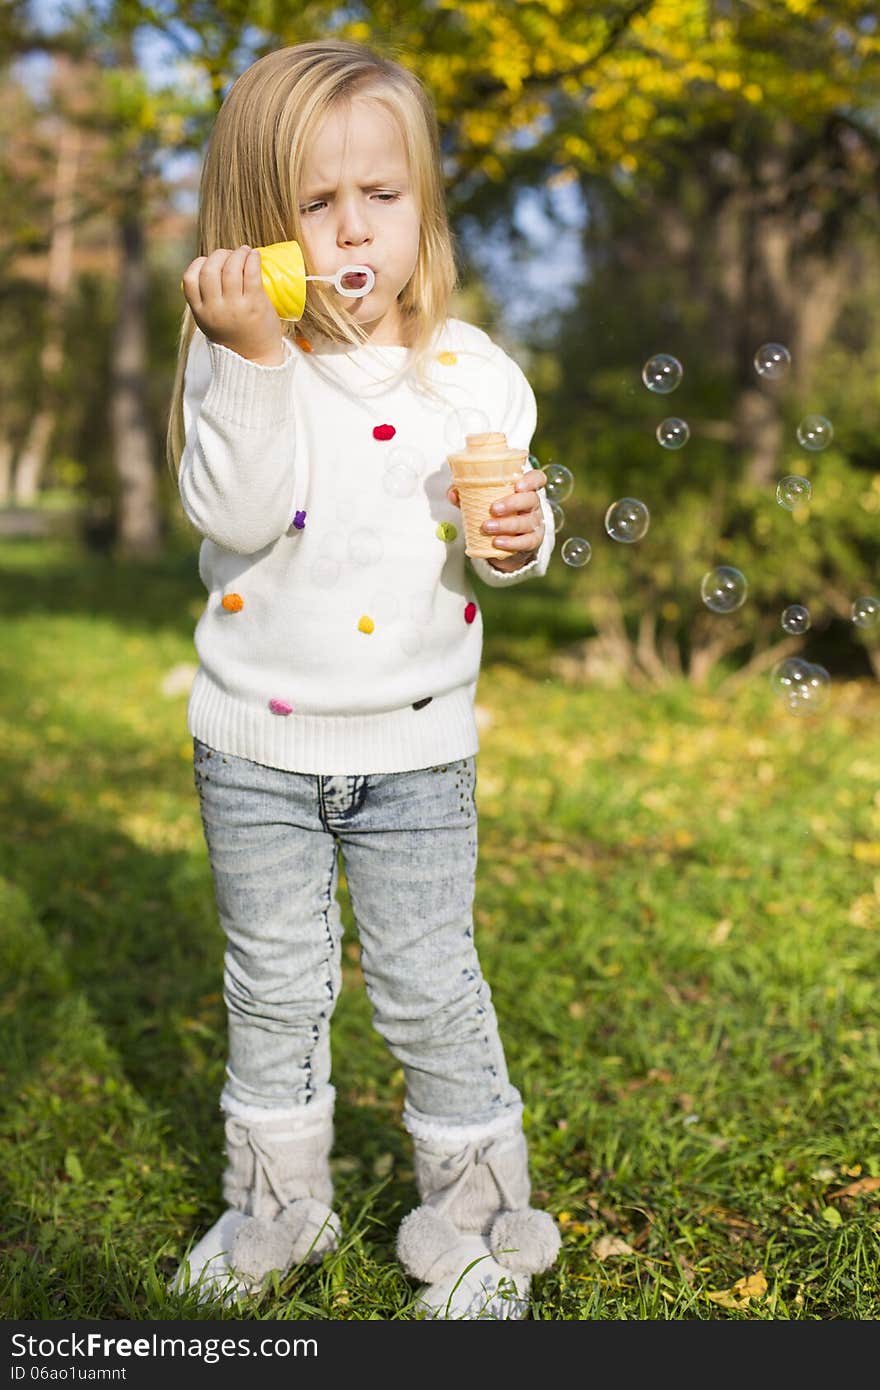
384	606
576	551
560	482
820	686
866	612
461	423
803	686
793	491
662	373
791	671
627	520
325	572
558	517
421	606
364	547
399	480
815	432
772	361
724	589
796	619
673	433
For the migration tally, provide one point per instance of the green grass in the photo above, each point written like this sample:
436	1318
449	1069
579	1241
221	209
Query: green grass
678	910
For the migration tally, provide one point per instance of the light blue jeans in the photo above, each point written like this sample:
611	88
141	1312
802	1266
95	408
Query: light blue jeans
409	845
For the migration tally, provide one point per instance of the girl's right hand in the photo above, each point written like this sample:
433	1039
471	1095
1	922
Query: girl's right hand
225	293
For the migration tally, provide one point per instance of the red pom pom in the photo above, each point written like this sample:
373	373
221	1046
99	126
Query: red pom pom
470	612
384	432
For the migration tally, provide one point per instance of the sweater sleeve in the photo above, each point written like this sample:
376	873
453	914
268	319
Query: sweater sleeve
518	422
236	476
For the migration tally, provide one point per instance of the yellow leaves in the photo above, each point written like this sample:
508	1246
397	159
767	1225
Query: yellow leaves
866	851
740	1294
864	911
566	1223
479	128
576	147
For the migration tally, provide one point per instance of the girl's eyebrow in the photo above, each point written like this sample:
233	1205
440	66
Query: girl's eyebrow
378	183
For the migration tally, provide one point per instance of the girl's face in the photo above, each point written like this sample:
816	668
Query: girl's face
357	206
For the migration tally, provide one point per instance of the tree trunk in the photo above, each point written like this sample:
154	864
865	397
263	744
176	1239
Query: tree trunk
139	528
32	459
5	471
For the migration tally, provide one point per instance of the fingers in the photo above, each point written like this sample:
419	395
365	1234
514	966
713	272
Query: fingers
221	273
190	283
517	522
253	270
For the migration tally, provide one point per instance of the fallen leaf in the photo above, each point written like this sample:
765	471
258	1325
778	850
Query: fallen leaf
720	932
606	1246
855	1189
742	1292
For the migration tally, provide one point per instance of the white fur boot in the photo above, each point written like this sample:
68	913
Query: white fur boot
279	1189
474	1241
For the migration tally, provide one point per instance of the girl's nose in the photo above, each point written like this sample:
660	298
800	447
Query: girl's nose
353	226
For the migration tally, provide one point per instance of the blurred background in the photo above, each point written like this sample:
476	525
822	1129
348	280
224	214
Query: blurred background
624	179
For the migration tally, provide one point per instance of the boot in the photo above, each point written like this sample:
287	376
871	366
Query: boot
474	1242
279	1191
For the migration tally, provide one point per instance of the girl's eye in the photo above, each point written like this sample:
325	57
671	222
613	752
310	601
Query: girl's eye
313	207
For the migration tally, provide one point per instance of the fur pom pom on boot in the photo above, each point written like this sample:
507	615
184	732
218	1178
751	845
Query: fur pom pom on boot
278	1185
474	1242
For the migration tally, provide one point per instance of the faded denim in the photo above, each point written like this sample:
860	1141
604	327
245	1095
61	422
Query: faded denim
408	842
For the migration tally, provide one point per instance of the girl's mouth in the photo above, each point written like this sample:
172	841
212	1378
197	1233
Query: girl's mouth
354	280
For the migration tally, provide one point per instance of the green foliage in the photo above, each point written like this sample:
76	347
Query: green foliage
678	910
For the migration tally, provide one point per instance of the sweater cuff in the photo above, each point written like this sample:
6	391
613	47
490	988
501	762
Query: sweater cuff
497	579
247	394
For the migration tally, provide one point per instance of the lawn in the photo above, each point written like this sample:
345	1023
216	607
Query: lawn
678	910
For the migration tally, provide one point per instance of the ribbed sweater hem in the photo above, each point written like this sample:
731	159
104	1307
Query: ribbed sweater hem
329	745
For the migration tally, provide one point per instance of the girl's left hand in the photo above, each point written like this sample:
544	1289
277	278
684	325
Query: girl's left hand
517	521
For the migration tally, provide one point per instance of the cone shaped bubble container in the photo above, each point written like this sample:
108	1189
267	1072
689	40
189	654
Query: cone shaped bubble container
485	470
284	277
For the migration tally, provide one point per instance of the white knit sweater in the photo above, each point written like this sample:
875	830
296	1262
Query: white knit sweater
341	634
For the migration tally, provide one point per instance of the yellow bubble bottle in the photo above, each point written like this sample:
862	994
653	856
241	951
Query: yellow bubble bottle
284	278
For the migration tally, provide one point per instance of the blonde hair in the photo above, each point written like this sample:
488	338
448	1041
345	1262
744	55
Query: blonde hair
251	177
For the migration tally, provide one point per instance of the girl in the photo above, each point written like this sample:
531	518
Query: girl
339	649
